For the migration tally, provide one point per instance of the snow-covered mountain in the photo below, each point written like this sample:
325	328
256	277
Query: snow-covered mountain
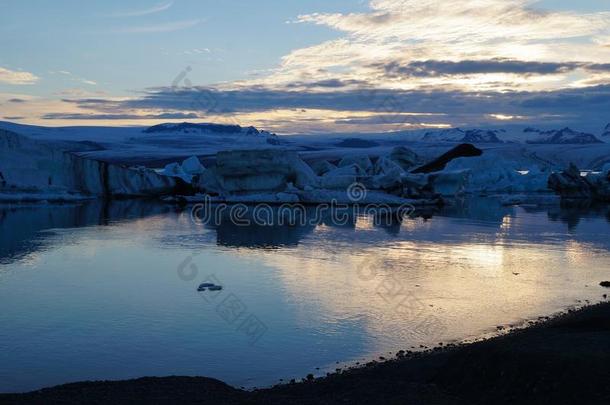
607	131
212	129
562	136
467	136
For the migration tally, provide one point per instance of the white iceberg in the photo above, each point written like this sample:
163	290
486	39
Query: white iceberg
192	166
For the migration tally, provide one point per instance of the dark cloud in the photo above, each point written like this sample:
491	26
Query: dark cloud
13	118
330	83
602	67
16	100
88	101
584	104
435	68
79	116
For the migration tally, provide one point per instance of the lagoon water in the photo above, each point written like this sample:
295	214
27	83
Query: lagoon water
109	291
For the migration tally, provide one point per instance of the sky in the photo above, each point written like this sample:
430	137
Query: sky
309	66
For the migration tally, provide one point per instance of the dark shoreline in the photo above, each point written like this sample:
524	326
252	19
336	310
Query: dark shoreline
565	360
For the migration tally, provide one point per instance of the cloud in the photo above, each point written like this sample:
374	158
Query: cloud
17	77
454	105
406	63
435	68
81	116
75	77
152	10
602	67
509	45
17	100
162	27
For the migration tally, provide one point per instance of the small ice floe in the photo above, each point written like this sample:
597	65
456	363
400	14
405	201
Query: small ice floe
209	286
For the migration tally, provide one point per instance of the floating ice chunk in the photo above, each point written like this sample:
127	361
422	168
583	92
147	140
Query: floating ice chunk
322	167
287	198
363	162
450	183
405	157
351	170
175	170
387	166
338	182
192	166
207	182
491	172
262	170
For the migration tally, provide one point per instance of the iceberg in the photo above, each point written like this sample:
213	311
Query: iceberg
322	167
404	157
492	172
47	169
192	166
362	162
262	170
572	184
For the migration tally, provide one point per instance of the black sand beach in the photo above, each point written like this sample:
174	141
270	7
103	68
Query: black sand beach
565	360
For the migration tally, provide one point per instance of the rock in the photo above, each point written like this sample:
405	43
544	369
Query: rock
322	167
404	157
438	164
605	284
192	166
363	162
570	184
204	286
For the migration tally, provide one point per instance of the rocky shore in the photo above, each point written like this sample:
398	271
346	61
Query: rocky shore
565	360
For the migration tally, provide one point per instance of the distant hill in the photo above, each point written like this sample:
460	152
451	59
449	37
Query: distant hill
211	129
464	136
562	136
187	127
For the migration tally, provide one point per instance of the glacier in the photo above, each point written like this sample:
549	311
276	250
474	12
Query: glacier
237	163
35	168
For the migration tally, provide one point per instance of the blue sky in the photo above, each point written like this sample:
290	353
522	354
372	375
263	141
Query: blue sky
93	39
57	56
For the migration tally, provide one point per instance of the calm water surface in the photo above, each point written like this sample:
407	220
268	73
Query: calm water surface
108	291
